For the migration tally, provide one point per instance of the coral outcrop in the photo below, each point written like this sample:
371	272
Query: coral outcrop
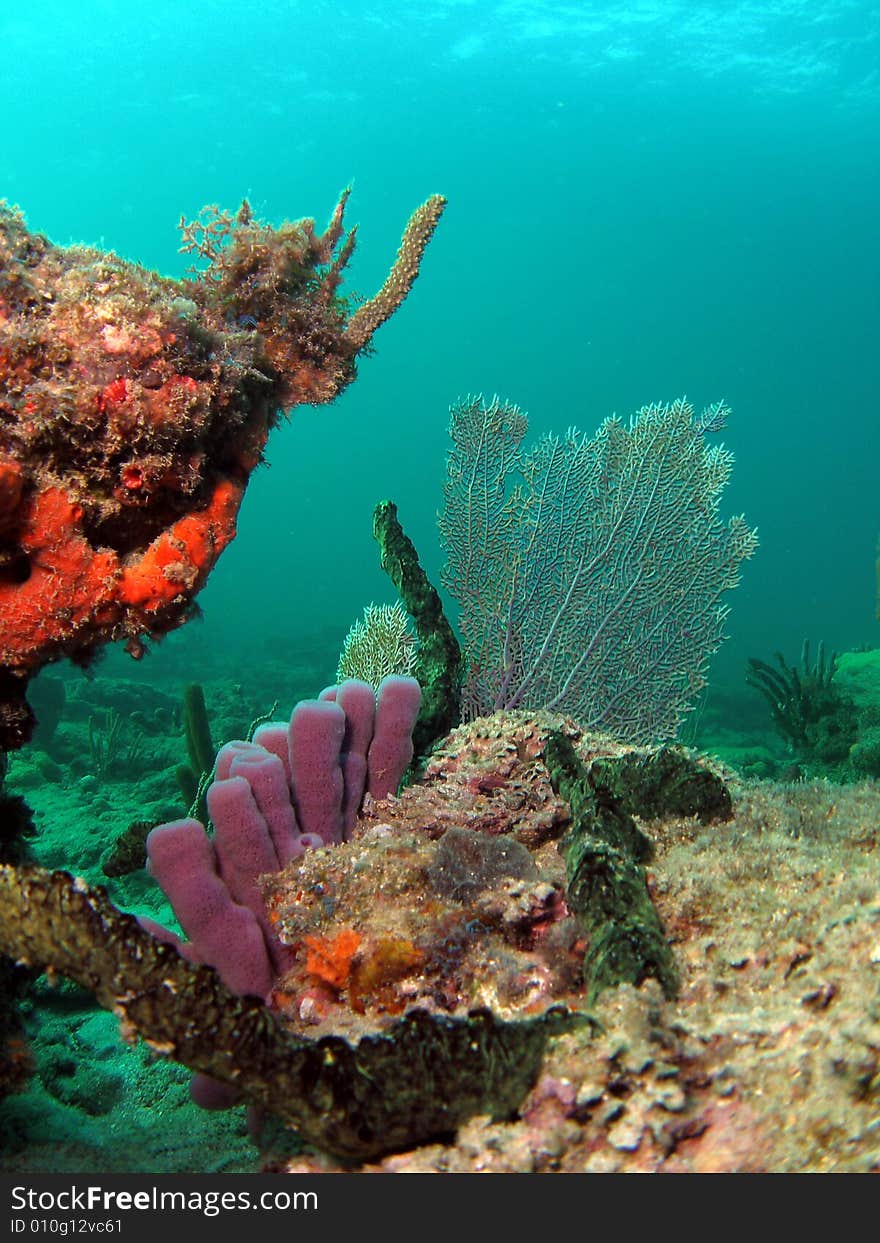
413	1014
451	901
420	1079
133	410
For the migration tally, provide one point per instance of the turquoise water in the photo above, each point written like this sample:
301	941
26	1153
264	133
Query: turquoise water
645	200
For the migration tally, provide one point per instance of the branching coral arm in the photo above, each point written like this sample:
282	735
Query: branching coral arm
416	235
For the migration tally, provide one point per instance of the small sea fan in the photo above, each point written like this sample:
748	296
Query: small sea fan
378	645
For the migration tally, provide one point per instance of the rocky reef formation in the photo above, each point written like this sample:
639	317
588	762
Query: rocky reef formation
427	960
405	1039
134	408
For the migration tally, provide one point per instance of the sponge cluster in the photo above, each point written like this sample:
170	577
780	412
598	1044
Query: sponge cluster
295	786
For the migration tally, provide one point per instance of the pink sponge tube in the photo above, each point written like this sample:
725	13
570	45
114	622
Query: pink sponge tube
229	752
358	701
397	705
267	778
273	736
223	933
333	749
245	851
317	729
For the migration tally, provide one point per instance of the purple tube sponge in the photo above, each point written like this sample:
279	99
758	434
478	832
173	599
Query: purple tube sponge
266	812
317	729
292	788
267	778
274	737
222	932
391	751
228	753
358	701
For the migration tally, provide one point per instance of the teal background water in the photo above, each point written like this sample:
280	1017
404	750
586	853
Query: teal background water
645	200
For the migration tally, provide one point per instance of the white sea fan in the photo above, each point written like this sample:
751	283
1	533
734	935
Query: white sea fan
590	571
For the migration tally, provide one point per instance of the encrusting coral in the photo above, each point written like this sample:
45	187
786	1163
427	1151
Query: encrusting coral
134	408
